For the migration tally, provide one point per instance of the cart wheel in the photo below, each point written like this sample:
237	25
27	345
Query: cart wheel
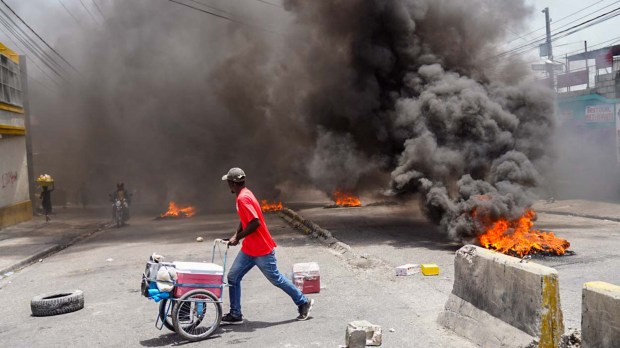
168	322
166	318
196	315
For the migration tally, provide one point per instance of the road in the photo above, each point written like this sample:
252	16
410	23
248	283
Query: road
108	266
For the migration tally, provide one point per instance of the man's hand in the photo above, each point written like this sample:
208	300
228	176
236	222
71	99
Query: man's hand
233	240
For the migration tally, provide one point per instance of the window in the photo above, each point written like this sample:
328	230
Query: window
10	82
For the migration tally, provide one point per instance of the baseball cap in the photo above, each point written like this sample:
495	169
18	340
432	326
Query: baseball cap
235	175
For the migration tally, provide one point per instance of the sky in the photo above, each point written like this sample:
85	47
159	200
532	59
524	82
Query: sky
573	11
77	15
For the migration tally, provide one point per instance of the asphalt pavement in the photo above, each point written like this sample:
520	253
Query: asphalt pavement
107	265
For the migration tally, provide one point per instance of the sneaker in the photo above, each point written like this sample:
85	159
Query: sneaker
304	310
230	319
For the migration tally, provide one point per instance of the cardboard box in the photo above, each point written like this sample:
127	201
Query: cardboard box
407	270
204	275
307	277
429	269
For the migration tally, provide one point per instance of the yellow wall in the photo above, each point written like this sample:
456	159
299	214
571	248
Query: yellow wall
16	213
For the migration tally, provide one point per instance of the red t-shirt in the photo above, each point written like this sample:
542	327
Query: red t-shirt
259	242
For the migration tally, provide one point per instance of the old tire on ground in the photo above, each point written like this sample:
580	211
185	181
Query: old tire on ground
57	303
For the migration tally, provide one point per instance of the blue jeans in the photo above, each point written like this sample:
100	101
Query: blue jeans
267	264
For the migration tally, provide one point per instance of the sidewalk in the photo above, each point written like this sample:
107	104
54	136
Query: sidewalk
30	241
583	208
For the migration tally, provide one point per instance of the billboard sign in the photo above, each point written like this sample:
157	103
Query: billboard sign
600	113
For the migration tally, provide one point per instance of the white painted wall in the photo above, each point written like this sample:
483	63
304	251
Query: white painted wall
13	170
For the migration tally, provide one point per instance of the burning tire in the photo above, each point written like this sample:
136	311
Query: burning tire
57	303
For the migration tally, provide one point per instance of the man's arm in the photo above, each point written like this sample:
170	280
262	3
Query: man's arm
242	233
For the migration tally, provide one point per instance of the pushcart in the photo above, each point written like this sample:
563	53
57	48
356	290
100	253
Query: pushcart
193	310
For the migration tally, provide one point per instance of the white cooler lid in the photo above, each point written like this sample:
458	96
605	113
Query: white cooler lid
198	267
306	267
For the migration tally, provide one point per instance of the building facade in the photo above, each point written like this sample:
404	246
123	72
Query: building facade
15	202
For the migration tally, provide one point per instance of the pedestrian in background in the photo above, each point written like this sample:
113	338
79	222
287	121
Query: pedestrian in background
46	201
258	249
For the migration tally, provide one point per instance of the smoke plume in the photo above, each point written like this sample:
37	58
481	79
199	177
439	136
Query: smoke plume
354	95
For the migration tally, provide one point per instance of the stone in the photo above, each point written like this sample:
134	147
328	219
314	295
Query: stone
372	333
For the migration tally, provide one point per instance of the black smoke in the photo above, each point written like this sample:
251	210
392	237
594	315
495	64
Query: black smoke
403	95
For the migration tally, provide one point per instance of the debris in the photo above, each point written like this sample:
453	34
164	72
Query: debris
406	270
429	269
392	329
110	259
40	260
571	339
525	258
199	239
8	274
372	334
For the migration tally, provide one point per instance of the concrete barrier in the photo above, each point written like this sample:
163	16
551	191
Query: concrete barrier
499	301
600	315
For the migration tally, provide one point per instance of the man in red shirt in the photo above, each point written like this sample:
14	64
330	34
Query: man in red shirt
257	249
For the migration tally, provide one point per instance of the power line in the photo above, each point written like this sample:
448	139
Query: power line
269	3
225	17
542	37
33	61
555	36
563	18
208	6
98	9
32	46
69	12
204	11
87	11
40	38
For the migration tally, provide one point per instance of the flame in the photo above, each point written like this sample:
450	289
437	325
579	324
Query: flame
270	207
176	211
346	199
518	238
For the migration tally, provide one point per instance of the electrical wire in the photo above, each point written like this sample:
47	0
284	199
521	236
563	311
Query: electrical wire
557	35
224	17
40	38
87	11
31	46
69	12
32	60
563	18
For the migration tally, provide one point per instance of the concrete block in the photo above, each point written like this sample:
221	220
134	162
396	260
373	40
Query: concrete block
356	338
372	333
497	301
600	315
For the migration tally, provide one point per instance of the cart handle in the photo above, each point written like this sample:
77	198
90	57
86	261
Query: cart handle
222	241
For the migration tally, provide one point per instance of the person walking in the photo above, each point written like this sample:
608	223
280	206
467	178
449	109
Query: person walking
46	201
257	249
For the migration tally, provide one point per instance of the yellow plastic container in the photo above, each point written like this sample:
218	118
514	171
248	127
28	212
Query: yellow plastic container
429	269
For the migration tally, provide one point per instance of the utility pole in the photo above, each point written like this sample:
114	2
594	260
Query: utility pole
550	66
585	47
26	106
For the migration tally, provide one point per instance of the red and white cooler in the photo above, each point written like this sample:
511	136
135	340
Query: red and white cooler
307	277
198	273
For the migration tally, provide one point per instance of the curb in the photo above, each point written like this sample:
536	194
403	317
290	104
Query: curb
49	251
587	216
308	227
